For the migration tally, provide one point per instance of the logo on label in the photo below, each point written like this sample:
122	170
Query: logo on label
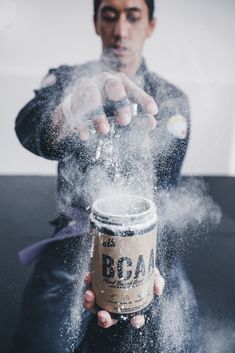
124	267
110	243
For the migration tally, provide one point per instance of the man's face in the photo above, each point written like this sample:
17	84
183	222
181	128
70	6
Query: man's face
123	26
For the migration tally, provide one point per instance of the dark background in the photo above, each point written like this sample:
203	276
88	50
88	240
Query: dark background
28	204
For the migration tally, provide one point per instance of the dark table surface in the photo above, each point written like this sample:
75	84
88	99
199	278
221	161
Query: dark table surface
27	206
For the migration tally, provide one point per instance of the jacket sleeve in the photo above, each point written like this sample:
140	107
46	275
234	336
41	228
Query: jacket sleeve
171	140
33	123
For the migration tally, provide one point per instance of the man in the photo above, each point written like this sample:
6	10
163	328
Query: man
59	124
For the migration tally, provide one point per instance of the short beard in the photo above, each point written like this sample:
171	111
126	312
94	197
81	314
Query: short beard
110	60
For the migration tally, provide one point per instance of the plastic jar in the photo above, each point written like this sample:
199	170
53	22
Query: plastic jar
124	231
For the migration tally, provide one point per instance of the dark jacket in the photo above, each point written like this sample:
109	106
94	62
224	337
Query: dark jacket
33	128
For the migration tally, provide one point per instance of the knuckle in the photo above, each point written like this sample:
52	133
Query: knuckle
89	93
122	77
106	74
112	84
91	88
85	301
102	77
100	119
148	99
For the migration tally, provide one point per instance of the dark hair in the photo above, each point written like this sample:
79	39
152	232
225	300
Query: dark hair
149	3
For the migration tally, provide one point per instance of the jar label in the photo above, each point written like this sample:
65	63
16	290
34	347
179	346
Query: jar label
123	271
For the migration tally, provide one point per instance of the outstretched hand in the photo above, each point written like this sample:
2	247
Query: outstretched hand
85	104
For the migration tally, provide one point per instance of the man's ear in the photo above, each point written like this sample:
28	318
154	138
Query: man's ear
96	27
152	26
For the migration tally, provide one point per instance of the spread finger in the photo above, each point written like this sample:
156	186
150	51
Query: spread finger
116	97
139	96
89	301
159	283
88	279
105	320
138	321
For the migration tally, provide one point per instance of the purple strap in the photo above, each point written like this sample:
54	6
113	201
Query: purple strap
78	226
